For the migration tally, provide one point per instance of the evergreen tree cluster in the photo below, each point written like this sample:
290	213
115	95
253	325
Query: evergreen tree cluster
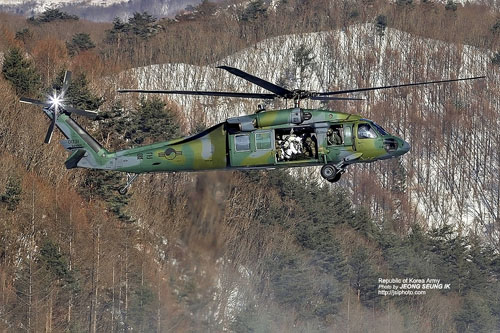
51	15
12	194
140	25
254	11
152	120
21	73
314	279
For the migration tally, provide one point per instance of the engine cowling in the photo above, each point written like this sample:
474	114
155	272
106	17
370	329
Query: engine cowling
266	119
242	124
282	117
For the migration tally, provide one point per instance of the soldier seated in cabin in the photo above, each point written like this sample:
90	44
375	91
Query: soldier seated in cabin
293	146
309	146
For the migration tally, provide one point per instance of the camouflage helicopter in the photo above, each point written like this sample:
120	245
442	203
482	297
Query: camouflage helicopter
284	138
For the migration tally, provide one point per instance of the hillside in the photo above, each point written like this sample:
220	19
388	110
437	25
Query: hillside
261	250
361	57
97	10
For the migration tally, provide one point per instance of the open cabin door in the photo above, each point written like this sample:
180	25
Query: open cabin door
296	145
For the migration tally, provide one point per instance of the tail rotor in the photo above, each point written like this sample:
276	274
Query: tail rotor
55	103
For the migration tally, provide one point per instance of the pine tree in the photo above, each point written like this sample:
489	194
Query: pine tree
254	11
12	194
495	60
113	123
143	25
362	276
21	73
54	262
24	35
303	58
290	280
381	24
79	42
475	316
153	121
79	94
451	5
495	29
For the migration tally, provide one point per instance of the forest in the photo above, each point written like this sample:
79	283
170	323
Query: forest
256	251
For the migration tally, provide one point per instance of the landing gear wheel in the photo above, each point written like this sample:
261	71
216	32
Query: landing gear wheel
336	178
130	179
329	172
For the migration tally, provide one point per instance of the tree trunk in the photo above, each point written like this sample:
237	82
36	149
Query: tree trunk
113	301
158	326
96	278
126	284
32	250
70	301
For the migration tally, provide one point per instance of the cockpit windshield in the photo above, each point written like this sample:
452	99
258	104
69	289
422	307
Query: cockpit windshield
379	128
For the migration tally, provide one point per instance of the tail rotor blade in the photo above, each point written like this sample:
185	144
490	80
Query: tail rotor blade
51	128
33	101
66	82
86	113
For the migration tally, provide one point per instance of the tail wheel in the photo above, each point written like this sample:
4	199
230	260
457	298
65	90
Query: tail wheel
329	172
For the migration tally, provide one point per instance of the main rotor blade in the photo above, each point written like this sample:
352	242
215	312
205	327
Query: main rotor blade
280	91
395	86
34	101
322	98
66	82
201	93
86	113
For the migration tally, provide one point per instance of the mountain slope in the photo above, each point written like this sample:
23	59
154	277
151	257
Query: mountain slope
97	10
362	56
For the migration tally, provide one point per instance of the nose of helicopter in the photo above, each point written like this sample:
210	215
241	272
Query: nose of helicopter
403	149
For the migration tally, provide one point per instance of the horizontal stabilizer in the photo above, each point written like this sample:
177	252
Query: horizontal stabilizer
72	161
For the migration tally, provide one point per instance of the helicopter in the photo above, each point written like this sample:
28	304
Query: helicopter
266	139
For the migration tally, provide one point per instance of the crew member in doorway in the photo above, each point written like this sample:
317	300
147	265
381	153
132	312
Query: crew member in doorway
333	136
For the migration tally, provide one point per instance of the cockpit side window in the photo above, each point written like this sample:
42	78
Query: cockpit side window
366	132
379	129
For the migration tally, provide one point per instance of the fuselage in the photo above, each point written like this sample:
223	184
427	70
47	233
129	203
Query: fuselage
271	139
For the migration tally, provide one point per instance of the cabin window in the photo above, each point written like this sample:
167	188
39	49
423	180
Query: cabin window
366	132
242	142
263	140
